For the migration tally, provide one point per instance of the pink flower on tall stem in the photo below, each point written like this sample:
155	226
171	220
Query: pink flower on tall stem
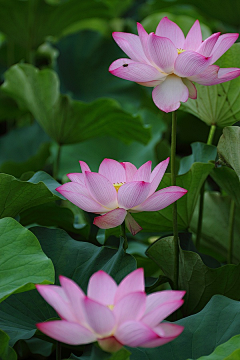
119	189
110	314
170	63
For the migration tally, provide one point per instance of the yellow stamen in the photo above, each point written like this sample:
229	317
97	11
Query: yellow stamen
117	186
111	307
180	51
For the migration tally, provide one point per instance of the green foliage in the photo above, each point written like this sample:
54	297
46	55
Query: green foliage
162	220
63	119
49	20
230	350
200	153
228	180
54	56
210	8
6	352
219	104
229	147
199	290
20	273
214	236
38	190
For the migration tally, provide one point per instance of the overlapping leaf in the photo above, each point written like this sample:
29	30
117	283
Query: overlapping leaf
22	261
219	104
199	281
17	195
65	120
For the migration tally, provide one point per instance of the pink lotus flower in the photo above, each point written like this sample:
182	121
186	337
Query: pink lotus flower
170	63
118	189
110	314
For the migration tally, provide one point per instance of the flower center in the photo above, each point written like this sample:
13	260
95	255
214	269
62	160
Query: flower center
180	51
117	186
110	307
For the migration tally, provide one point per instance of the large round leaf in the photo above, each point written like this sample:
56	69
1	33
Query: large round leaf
65	120
22	261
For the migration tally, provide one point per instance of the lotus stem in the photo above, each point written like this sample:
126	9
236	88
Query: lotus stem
200	217
58	351
123	235
173	181
231	231
56	162
201	200
211	134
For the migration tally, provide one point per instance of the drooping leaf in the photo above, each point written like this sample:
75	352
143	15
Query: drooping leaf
6	352
17	195
162	220
68	121
74	259
215	225
229	147
219	104
199	281
22	261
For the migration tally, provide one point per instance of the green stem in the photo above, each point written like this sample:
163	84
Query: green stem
31	30
201	200
231	231
123	234
200	217
211	134
56	162
173	181
58	351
